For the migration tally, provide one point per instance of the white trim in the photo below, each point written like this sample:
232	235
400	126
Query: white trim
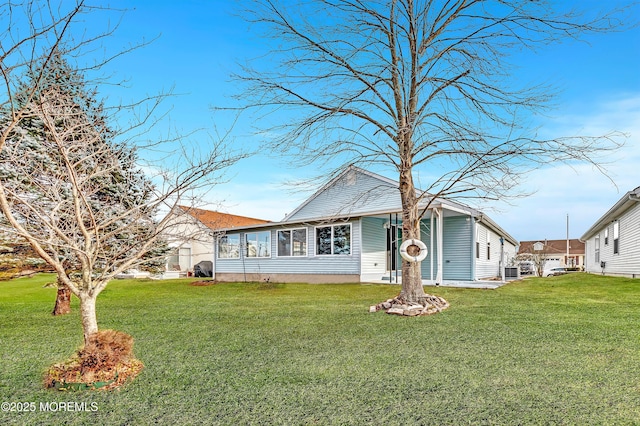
290	256
217	253
315	239
257	233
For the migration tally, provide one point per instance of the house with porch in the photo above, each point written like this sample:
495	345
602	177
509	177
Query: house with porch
350	231
613	241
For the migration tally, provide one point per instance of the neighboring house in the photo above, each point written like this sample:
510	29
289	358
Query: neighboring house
554	252
613	242
193	235
350	231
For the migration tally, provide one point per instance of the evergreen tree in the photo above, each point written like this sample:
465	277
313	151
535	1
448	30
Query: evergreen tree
75	192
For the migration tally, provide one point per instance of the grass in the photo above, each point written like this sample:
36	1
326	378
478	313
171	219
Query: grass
560	350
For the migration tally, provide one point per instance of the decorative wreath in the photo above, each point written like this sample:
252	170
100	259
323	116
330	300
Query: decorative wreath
417	258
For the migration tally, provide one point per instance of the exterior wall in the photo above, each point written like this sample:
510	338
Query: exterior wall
374	248
288	278
354	193
299	266
488	261
432	255
457	252
188	234
627	261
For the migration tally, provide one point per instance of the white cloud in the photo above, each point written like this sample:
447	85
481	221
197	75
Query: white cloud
580	191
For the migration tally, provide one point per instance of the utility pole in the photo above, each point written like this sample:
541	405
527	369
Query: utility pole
567	262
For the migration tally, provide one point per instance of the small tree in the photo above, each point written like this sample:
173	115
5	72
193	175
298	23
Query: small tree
70	184
414	85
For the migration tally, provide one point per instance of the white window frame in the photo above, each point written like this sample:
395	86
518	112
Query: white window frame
333	226
291	250
596	243
229	252
259	253
616	237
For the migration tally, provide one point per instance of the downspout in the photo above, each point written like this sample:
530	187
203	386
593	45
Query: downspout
431	244
440	242
473	248
502	278
213	258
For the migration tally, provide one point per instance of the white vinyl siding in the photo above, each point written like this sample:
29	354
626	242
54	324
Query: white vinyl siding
627	261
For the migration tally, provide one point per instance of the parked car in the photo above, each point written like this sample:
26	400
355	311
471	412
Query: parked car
526	268
559	270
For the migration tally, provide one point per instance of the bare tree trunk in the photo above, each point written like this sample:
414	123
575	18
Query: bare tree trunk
63	300
88	314
412	290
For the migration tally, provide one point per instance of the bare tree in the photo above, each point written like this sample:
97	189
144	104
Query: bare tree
71	182
414	84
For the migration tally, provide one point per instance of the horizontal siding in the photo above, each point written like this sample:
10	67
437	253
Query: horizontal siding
310	264
425	236
627	261
374	246
489	268
355	193
456	248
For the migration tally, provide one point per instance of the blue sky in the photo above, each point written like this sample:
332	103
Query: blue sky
200	43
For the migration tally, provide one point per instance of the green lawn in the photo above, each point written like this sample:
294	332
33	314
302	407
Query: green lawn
560	350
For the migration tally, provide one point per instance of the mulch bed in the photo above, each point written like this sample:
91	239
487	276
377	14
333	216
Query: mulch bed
105	363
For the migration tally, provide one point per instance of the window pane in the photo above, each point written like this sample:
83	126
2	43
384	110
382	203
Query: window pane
323	240
284	243
299	242
229	247
251	244
342	239
264	244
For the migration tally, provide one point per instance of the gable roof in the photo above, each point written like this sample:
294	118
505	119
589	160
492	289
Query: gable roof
576	247
215	220
627	201
349	193
356	192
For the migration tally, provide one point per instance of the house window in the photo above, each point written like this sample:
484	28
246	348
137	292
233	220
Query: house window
229	246
477	242
488	250
180	260
334	239
292	242
606	236
597	248
258	244
616	237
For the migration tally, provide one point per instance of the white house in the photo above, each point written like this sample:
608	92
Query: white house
613	242
192	237
350	231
